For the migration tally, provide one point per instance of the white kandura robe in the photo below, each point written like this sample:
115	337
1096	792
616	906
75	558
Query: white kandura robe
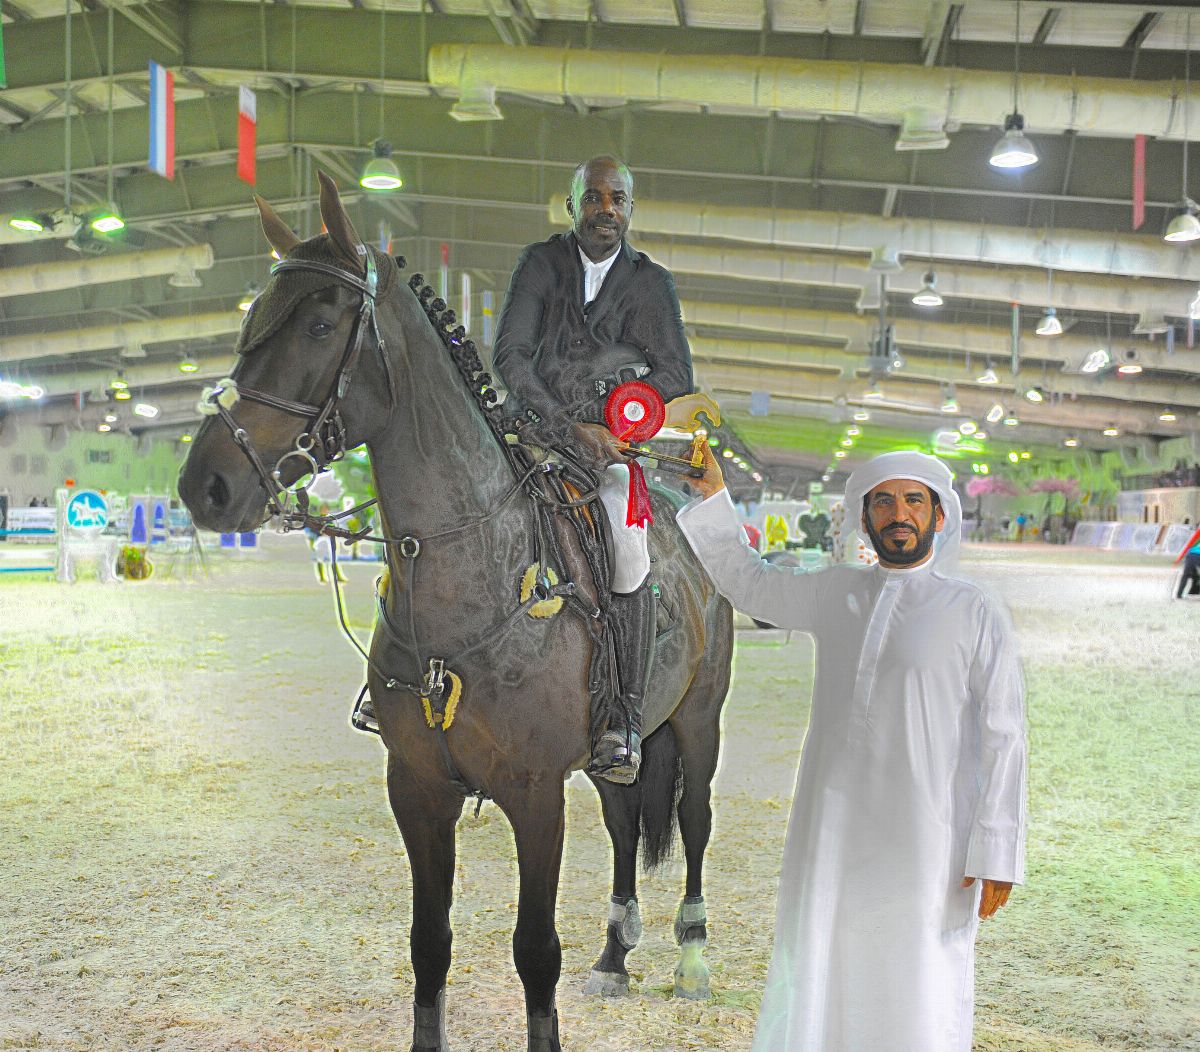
912	776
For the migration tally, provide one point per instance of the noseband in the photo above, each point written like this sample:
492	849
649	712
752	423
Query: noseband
323	440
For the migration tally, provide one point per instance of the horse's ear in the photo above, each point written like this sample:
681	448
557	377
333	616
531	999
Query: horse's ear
341	231
279	235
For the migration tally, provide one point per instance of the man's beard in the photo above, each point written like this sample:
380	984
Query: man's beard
905	556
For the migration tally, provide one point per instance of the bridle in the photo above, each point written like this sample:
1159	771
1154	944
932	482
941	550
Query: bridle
323	440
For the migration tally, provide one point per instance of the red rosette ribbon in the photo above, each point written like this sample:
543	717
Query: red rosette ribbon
635	412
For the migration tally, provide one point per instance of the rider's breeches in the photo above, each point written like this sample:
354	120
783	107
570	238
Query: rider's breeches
631	554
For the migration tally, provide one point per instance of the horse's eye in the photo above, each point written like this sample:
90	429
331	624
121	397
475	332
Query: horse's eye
320	328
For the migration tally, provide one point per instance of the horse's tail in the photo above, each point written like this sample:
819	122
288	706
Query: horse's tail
661	781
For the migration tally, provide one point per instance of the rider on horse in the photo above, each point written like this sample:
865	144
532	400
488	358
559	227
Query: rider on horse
583	313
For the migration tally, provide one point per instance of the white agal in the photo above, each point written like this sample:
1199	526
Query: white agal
912	776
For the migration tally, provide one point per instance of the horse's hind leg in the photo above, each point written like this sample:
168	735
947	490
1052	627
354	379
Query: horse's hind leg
622	811
697	725
427	816
538	820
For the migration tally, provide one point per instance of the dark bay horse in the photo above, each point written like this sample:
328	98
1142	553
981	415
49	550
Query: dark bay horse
338	339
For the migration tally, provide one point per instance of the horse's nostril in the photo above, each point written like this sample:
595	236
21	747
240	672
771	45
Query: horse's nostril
218	492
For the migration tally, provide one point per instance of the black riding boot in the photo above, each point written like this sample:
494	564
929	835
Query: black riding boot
618	754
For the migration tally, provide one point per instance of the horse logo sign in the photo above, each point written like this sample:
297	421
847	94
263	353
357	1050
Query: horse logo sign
87	512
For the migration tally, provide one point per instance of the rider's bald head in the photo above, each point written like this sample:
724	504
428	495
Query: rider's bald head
604	163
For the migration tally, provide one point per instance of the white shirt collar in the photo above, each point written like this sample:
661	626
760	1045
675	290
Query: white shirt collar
595	273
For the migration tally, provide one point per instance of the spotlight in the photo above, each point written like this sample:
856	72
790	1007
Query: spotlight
122	394
1050	324
927	295
32	223
119	383
1130	366
1071	443
1184	225
988	376
1096	361
1112	431
188	364
1013	150
1167	416
381	172
1035	395
185	438
107	220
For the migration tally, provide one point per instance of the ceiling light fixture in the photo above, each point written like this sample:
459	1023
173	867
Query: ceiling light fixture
981	436
727	454
968	427
188	364
927	295
1167	416
1130	366
847	442
104	428
1184	226
995	414
380	172
1012	455
1013	150
1096	361
862	416
949	402
988	376
107	220
1035	395
839	453
119	383
853	431
1011	421
1112	431
873	391
185	438
110	418
121	394
32	223
146	409
1071	443
1050	325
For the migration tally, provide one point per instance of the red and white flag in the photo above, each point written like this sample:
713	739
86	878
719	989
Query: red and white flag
247	134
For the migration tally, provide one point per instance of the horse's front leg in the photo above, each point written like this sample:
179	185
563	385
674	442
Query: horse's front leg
538	821
622	815
427	816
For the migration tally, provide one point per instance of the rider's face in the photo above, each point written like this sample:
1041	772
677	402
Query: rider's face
601	204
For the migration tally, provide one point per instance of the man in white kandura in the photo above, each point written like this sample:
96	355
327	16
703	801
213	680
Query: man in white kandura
909	817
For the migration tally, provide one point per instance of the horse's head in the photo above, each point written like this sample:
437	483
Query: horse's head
289	407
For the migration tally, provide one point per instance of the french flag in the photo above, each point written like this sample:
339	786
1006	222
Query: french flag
162	121
247	134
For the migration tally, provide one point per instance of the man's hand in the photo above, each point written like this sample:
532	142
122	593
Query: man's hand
995	895
712	481
600	444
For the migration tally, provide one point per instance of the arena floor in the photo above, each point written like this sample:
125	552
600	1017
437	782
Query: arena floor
198	854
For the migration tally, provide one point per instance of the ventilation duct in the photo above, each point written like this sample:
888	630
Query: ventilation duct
1078	251
50	277
759	85
1080	292
125	335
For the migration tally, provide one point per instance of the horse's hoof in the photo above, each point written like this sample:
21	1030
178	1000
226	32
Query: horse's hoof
691	975
692	989
607	984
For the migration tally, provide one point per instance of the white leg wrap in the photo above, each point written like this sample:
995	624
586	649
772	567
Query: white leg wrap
631	552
